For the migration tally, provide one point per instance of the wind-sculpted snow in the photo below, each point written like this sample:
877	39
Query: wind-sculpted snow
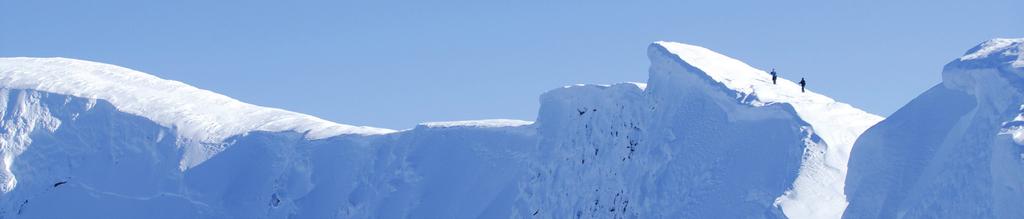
994	53
488	123
82	158
817	193
197	114
954	151
706	136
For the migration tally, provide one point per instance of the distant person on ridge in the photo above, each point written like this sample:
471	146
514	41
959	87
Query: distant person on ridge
803	84
774	76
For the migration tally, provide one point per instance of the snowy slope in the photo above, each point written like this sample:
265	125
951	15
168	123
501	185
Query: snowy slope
817	193
487	123
954	151
83	158
89	140
197	114
706	136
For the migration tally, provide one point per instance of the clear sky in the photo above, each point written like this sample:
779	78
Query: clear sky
394	64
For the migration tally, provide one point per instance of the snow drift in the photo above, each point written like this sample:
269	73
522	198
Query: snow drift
954	151
707	136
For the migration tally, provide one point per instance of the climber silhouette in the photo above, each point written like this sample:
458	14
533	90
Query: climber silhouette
774	76
803	84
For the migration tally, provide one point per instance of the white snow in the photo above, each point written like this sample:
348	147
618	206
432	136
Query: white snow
706	136
197	114
485	123
817	193
979	70
952	152
710	137
75	157
642	86
999	46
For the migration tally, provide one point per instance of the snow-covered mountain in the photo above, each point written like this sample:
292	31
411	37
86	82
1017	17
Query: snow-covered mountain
707	136
955	150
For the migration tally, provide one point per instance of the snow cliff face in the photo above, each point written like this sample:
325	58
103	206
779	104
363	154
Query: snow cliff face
954	151
74	153
706	136
76	157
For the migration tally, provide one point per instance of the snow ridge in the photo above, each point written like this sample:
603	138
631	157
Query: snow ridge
1004	50
485	123
984	68
197	114
818	191
626	149
952	152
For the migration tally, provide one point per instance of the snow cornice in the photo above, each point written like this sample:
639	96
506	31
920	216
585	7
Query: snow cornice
197	114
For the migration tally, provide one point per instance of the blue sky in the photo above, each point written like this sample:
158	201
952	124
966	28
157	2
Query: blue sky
393	64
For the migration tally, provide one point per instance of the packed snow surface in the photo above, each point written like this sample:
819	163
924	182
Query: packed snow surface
817	193
197	114
642	86
1007	50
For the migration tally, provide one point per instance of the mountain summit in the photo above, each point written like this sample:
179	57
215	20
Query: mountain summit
707	135
817	193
